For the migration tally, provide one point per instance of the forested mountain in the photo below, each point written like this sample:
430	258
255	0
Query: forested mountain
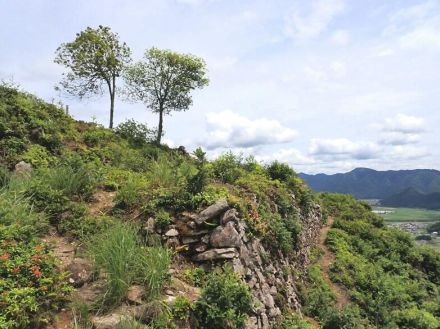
364	183
413	199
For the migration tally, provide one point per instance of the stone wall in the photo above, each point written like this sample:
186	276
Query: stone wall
273	279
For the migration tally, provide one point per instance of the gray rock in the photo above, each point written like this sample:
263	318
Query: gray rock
23	167
229	216
213	254
81	271
172	233
226	236
189	239
212	211
150	225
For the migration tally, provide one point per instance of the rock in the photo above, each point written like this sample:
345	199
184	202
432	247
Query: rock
23	167
212	211
189	239
265	321
225	236
90	292
213	254
201	247
81	271
150	225
111	321
252	323
228	216
172	233
135	294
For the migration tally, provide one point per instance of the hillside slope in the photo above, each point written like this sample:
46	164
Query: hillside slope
364	183
412	198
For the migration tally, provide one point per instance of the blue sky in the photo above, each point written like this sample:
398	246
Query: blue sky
326	85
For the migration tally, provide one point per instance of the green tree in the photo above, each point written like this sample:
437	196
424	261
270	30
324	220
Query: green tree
94	59
163	81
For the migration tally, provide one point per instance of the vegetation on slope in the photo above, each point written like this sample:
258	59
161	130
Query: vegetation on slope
392	282
72	162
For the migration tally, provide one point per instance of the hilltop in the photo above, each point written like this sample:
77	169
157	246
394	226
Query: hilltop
105	228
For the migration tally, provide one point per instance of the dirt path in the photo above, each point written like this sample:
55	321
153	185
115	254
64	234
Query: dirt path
325	262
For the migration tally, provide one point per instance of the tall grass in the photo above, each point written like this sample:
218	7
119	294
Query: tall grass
116	252
120	254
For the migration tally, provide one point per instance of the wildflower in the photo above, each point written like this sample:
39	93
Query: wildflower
16	269
38	247
37	274
36	259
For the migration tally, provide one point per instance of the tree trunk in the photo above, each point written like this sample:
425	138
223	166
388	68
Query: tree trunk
159	128
112	101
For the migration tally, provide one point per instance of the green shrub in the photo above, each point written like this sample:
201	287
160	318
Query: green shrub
280	171
292	322
224	303
31	286
163	219
37	156
196	276
180	308
226	168
138	134
130	193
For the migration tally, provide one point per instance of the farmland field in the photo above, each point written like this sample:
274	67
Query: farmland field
409	214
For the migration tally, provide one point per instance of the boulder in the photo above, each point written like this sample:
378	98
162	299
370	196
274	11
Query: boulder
172	233
23	167
81	271
225	236
212	211
214	254
229	216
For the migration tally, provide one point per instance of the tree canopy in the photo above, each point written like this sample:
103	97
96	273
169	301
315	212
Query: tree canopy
163	81
94	60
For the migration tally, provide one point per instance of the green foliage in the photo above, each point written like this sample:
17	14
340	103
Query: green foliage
280	171
197	183
5	176
163	219
226	168
392	281
37	156
118	252
224	303
196	276
180	308
318	297
163	81
95	58
155	266
97	136
130	193
292	321
138	134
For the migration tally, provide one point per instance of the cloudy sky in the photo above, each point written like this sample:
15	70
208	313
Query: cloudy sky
326	85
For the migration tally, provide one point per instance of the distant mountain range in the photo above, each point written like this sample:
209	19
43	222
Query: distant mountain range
399	188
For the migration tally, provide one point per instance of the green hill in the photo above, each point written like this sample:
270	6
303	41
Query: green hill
412	198
364	183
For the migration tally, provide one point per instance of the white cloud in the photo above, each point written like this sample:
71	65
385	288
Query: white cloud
342	148
398	138
408	152
291	156
340	38
309	25
406	124
422	38
228	129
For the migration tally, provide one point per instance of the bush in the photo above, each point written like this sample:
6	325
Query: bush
5	176
292	322
30	283
280	171
37	156
163	219
226	168
224	303
130	193
138	134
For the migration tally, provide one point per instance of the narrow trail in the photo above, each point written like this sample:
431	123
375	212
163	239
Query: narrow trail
325	262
